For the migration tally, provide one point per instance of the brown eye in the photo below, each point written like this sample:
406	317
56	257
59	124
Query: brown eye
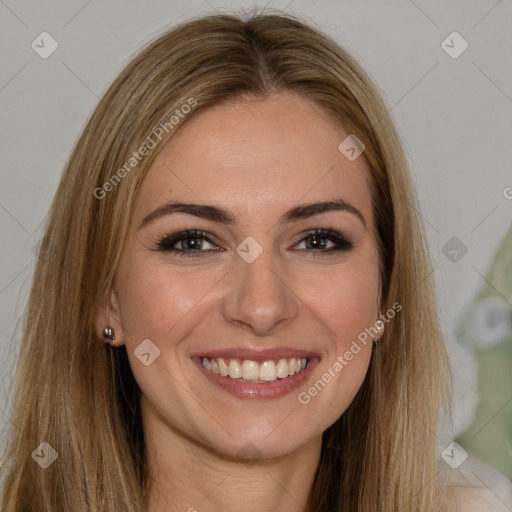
317	240
191	241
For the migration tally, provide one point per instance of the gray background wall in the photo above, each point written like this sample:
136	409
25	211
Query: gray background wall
454	115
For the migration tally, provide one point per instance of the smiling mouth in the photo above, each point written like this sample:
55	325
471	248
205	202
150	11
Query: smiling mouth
246	370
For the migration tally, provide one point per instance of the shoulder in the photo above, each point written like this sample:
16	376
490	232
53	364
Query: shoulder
477	487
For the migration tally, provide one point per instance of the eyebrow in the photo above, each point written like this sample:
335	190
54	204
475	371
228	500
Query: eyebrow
223	216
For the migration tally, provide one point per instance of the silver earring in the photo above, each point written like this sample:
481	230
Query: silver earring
108	333
376	342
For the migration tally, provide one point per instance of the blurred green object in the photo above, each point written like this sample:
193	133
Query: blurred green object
487	329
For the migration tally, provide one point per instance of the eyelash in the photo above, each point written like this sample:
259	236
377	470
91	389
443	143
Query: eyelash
167	243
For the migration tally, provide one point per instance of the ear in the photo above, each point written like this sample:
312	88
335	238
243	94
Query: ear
108	314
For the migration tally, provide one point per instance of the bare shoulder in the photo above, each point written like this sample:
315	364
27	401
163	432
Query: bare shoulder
477	487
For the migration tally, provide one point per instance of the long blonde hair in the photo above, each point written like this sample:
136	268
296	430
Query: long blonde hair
79	395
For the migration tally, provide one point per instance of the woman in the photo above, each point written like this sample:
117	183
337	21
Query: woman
235	308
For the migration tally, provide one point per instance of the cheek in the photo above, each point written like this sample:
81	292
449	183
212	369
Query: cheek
345	301
155	300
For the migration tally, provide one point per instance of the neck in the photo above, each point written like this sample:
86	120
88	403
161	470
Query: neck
186	476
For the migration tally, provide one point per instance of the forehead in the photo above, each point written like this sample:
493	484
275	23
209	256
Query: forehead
256	157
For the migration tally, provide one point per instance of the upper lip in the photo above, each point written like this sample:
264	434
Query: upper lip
257	355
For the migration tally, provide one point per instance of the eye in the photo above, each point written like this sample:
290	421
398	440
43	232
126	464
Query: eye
188	242
194	242
320	238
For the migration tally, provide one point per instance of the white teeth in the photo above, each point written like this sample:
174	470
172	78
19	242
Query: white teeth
214	366
282	369
267	371
223	367
235	370
250	370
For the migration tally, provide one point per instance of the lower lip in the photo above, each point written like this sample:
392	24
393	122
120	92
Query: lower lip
263	391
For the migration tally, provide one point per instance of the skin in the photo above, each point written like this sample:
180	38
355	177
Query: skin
258	159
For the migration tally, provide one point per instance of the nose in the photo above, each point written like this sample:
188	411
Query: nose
260	299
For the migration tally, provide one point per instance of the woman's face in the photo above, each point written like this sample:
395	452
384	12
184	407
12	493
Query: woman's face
260	289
